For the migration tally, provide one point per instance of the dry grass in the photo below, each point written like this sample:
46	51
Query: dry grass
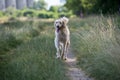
96	43
27	51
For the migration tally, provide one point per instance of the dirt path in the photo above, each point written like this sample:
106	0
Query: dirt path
73	72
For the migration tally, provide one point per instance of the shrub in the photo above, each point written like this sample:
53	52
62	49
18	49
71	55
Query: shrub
68	14
10	12
28	13
45	15
42	15
19	13
1	14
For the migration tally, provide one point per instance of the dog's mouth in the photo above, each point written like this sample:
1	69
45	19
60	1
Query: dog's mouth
58	28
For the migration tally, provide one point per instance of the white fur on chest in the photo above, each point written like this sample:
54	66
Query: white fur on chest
62	36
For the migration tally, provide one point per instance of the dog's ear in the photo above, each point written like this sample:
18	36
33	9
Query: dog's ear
65	20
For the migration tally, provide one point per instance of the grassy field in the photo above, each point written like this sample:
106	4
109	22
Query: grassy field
27	49
96	43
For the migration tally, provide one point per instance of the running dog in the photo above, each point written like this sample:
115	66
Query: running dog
62	37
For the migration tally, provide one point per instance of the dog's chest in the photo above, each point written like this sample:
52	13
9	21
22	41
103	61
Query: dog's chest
62	35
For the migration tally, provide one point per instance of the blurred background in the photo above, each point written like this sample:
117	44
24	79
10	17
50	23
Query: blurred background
57	8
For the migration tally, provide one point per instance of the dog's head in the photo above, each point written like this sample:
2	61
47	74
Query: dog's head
62	22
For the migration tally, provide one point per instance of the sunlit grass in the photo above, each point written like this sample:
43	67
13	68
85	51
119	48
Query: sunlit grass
96	46
27	51
34	60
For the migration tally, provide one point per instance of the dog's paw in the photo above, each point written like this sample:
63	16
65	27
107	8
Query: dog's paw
57	57
65	58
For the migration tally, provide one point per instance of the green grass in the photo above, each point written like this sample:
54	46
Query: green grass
27	49
33	55
34	60
95	40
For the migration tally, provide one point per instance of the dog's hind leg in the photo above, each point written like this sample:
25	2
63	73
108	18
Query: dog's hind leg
67	47
64	49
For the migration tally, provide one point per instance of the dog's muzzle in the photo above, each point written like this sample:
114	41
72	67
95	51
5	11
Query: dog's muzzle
58	28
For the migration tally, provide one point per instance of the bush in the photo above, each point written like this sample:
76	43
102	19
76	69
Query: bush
45	14
10	12
35	13
65	14
42	15
29	13
1	14
19	13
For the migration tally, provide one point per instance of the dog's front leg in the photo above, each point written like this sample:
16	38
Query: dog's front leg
65	50
57	45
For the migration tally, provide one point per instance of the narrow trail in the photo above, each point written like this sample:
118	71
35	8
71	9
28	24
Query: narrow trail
73	72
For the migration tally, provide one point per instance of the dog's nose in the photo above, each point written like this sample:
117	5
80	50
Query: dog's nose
57	26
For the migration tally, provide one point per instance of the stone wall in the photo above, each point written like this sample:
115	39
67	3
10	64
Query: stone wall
21	4
18	4
2	4
10	3
30	3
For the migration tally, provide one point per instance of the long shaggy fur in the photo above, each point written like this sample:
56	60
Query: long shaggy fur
62	37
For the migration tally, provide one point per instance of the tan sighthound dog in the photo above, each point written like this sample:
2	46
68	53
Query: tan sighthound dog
62	37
